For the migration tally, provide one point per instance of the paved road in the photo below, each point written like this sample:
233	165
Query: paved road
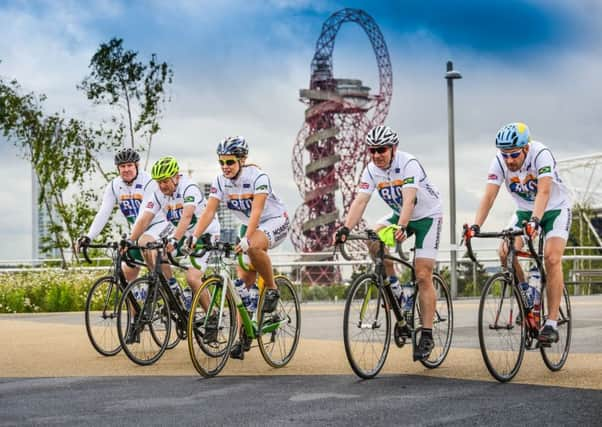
49	374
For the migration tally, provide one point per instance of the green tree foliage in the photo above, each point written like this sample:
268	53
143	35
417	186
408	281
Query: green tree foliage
119	79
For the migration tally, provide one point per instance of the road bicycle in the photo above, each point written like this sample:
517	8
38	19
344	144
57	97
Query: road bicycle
507	325
212	329
100	312
367	316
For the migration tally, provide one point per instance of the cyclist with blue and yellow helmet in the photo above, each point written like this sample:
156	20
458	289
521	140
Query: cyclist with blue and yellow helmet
529	171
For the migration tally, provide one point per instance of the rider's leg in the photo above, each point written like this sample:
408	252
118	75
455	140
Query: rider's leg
194	278
258	254
428	298
374	247
503	253
130	273
553	250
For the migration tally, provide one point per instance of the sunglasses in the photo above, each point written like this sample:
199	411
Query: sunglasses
228	162
378	150
513	155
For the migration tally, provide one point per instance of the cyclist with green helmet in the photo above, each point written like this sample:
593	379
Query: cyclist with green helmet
529	171
182	202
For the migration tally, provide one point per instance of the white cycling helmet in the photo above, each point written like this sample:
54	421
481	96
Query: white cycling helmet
381	136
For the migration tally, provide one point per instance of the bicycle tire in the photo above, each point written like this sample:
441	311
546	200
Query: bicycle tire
443	322
278	346
555	356
210	357
102	327
366	300
150	343
501	339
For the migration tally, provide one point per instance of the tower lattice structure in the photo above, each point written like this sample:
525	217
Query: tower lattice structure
329	153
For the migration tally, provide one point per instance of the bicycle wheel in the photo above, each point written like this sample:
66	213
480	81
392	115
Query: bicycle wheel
144	338
555	356
501	339
443	322
366	326
101	316
211	330
279	330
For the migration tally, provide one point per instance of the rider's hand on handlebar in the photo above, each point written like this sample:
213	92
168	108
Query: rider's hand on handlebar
189	245
341	235
532	227
243	245
400	233
172	243
81	242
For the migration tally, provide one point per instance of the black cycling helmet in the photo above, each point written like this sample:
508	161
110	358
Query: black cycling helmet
127	155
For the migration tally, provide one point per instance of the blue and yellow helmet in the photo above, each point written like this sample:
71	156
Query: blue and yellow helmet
513	135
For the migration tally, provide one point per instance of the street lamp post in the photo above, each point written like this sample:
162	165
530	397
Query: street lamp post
450	76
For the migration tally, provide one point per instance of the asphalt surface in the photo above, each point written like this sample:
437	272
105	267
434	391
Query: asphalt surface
49	374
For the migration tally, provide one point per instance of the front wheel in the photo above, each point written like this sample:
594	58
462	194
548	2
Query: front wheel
101	316
555	356
501	335
366	326
443	322
278	331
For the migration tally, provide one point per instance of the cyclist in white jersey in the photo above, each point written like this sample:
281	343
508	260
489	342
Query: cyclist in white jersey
182	202
529	171
127	191
403	184
247	191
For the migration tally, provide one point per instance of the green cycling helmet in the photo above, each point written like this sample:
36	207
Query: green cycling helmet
165	167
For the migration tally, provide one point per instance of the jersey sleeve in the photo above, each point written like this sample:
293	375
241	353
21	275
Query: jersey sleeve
545	165
192	196
366	184
150	203
262	185
412	174
101	218
216	191
495	175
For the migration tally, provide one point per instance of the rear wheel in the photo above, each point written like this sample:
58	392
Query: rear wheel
101	316
555	356
366	326
281	328
501	336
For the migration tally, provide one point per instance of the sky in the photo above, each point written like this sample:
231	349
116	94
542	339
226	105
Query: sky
238	67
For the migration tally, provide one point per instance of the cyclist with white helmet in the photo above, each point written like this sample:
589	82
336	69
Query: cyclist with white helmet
529	171
402	183
182	202
247	190
127	191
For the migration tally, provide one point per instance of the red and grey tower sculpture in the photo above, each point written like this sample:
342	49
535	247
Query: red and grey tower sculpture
329	152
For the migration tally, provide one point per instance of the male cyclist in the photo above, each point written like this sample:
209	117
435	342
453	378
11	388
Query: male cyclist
182	202
403	184
247	191
529	172
127	191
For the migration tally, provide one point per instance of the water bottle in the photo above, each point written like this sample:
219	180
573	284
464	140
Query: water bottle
175	288
395	287
528	295
242	291
253	293
534	288
407	291
140	293
187	297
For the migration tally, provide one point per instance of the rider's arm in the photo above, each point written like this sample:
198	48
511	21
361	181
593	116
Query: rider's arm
206	217
256	211
184	221
101	218
487	200
356	211
409	196
544	188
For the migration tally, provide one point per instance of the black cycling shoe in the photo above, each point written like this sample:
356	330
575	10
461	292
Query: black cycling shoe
548	335
270	301
133	336
424	348
210	330
237	351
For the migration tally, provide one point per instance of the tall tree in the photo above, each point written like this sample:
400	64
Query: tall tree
117	78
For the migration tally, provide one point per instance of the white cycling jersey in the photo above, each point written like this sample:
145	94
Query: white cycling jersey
238	194
405	172
127	196
186	193
522	184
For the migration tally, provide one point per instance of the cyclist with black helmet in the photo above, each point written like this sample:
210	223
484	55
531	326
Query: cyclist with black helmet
247	190
182	202
528	170
127	191
402	183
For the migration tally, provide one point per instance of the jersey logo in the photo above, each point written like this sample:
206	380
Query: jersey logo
150	205
526	190
261	187
364	185
129	204
188	199
545	169
246	185
213	190
241	203
390	192
408	180
138	186
492	176
174	213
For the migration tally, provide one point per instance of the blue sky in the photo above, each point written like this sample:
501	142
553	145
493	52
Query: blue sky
238	66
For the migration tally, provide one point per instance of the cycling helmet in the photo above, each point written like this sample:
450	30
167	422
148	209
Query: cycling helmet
513	135
233	145
381	136
127	155
165	167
